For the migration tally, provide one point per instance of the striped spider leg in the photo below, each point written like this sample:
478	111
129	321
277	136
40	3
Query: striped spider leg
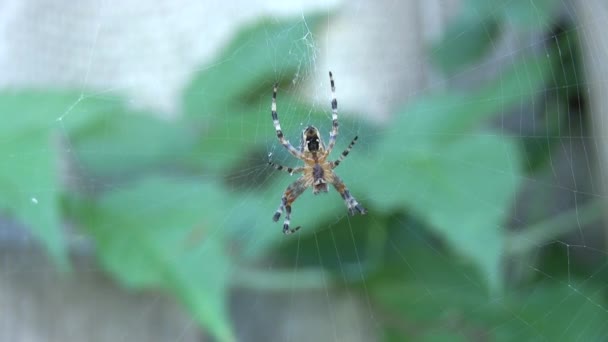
317	171
289	170
351	203
277	126
345	152
292	192
334	115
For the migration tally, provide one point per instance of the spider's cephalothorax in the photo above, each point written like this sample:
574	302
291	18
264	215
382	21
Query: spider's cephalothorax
317	171
311	141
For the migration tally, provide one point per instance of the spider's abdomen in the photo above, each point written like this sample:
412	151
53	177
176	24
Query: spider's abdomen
317	172
319	182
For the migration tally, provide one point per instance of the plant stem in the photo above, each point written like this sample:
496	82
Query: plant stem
279	280
533	236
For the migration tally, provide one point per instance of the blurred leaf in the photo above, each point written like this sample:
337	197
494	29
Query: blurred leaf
441	298
444	117
249	63
29	110
462	184
167	233
227	139
542	233
449	172
348	236
262	234
463	191
465	41
473	33
481	8
554	312
530	14
28	182
245	138
539	145
29	145
122	141
437	296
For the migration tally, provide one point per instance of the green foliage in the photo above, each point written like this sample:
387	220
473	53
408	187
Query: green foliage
442	301
522	14
529	14
28	172
28	180
460	182
164	233
474	39
476	30
192	214
105	145
245	64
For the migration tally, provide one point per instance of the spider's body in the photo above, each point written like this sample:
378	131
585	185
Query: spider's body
317	171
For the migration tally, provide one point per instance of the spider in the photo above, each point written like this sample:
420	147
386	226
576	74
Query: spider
317	170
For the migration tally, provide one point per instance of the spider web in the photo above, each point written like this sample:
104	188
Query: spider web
482	174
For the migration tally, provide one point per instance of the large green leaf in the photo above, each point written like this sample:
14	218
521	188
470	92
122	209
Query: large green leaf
441	298
126	141
443	117
227	139
169	234
248	134
464	190
31	109
33	124
254	60
29	187
474	32
466	41
461	182
523	14
530	14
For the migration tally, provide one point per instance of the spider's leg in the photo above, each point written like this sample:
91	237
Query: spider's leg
351	203
289	170
292	192
345	153
277	126
334	115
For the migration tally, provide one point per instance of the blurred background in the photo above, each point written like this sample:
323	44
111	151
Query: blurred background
136	200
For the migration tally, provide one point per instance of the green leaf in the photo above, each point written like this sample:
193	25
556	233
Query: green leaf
465	42
441	298
47	110
444	117
124	141
463	190
552	312
462	183
252	61
228	139
474	32
169	234
434	163
523	14
29	186
530	14
245	138
30	140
